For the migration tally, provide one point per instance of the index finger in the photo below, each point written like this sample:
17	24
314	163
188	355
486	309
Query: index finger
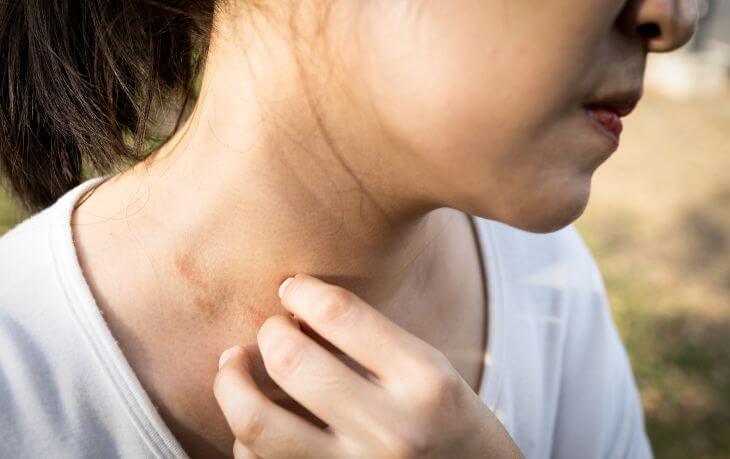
356	328
261	425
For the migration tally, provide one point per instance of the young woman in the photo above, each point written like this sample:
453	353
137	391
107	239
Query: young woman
417	164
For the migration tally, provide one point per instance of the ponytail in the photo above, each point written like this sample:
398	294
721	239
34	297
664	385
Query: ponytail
79	80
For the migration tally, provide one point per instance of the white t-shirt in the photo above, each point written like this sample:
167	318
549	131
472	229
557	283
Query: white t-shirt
557	374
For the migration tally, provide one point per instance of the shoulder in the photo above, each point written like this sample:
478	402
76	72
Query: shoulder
31	297
552	281
558	260
28	288
42	352
27	252
23	248
53	394
565	348
25	255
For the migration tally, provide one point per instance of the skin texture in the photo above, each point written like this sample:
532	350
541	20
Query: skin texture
343	140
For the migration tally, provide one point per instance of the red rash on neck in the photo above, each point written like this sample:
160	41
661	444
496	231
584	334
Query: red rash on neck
192	276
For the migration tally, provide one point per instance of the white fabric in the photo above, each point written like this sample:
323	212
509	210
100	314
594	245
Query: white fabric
557	375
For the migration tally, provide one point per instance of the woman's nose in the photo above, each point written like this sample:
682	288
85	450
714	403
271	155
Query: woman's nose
664	25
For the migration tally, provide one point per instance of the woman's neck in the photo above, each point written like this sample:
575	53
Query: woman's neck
257	186
185	252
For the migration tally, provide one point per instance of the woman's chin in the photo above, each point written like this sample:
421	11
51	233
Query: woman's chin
546	208
549	215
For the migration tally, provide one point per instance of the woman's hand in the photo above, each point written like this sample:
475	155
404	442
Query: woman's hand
411	403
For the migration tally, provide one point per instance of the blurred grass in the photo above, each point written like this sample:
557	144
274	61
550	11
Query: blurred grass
680	359
659	226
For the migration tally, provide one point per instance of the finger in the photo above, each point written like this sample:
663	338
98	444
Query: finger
261	425
241	452
272	391
319	381
346	359
358	329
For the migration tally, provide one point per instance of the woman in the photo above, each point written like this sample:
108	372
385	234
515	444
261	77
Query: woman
418	163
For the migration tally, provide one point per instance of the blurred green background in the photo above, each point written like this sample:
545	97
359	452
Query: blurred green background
9	215
658	223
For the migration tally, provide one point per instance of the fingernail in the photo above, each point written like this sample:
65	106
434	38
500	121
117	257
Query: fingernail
227	354
282	287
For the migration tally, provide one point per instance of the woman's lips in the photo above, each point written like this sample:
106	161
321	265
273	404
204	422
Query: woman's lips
605	112
608	122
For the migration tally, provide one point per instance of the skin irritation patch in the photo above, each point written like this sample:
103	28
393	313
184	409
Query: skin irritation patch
205	298
191	274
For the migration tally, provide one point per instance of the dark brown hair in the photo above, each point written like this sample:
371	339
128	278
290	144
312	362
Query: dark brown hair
80	81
